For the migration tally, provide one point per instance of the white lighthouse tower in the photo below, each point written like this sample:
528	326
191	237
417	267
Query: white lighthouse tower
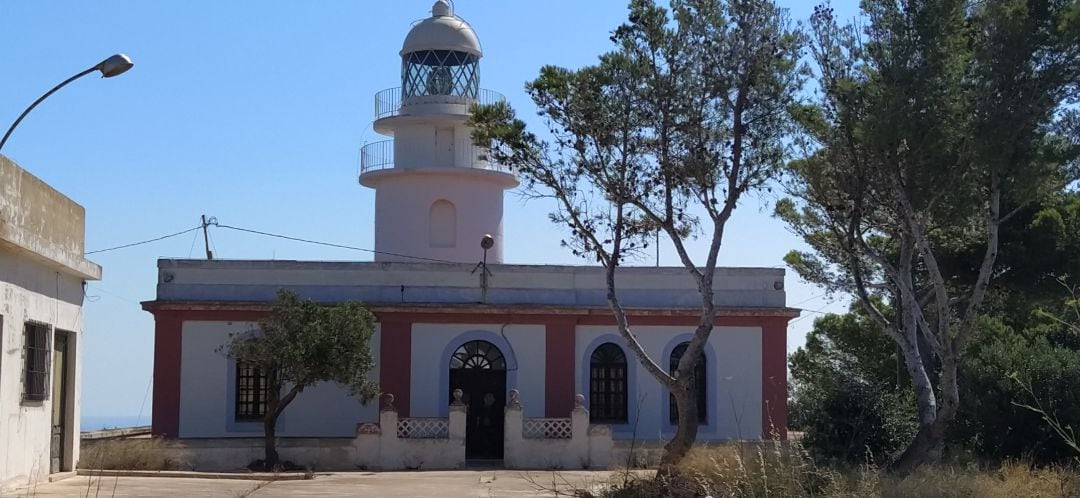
435	194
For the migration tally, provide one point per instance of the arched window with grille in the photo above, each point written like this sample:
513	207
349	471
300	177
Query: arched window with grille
608	385
699	387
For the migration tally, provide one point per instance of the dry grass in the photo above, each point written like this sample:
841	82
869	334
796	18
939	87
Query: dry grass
134	454
774	470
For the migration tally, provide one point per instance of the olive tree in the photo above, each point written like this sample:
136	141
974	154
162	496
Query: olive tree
301	343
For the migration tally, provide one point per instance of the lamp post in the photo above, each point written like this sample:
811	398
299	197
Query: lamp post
113	66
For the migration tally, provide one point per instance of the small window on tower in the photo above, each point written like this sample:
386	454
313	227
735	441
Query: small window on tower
443	229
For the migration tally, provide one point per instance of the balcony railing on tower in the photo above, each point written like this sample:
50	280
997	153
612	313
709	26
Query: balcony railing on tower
389	102
379	156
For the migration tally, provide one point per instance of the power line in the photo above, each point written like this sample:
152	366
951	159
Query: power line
125	246
328	244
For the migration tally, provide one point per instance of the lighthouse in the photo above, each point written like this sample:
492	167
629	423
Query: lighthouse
436	194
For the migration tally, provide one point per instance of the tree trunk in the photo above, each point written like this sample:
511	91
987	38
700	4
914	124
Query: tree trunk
686	432
271	460
929	442
274	406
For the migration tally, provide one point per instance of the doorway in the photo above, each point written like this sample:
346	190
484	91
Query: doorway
58	444
444	148
478	368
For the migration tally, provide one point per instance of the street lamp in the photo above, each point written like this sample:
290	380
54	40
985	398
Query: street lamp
113	66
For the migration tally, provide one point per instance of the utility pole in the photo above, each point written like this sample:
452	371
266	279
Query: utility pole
206	238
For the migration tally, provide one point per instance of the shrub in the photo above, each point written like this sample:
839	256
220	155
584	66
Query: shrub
991	423
853	421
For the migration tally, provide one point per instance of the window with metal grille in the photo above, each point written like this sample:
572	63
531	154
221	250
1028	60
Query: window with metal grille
36	364
252	389
698	387
607	385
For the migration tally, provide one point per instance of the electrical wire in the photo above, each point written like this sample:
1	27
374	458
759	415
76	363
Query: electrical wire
328	244
125	246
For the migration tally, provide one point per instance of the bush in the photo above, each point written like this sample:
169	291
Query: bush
853	421
990	423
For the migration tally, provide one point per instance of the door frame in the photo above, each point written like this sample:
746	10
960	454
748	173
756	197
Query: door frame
66	397
481	378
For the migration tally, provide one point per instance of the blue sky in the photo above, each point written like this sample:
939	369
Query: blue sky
254	113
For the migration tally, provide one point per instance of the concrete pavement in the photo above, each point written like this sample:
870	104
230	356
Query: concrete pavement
463	483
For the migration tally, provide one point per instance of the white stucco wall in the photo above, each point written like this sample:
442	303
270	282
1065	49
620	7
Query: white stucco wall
522	345
31	291
402	206
207	387
734	409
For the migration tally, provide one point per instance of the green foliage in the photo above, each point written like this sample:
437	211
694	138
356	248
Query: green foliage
935	122
846	397
849	399
300	344
1006	369
666	133
305	343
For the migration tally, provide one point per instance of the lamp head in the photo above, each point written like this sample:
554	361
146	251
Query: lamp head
487	242
114	66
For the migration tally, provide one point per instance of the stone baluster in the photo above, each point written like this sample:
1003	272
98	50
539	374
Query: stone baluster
458	411
579	429
389	446
512	431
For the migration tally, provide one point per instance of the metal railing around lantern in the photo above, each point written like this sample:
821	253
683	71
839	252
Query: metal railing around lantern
388	103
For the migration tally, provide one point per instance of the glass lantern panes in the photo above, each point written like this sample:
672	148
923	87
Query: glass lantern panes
440	72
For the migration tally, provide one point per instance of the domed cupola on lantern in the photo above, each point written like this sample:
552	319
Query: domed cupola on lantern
441	57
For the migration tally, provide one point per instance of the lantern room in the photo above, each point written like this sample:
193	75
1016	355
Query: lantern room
441	57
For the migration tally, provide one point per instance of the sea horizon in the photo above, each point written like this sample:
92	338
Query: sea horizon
100	422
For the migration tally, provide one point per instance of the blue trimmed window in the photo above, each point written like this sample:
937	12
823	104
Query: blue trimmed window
252	391
608	385
699	386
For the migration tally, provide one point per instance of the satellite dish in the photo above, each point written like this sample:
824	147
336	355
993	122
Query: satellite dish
487	242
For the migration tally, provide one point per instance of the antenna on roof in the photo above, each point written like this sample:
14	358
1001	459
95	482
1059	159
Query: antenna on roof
486	242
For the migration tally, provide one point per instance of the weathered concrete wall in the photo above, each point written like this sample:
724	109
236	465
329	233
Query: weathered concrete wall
31	291
208	390
537	285
42	271
39	221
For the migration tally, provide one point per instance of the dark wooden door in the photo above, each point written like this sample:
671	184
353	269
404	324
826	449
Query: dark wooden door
59	403
479	370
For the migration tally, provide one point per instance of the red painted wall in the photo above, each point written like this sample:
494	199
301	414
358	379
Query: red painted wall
774	378
559	368
395	360
165	417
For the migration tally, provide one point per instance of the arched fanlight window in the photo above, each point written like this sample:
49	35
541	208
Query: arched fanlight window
608	385
481	355
699	387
